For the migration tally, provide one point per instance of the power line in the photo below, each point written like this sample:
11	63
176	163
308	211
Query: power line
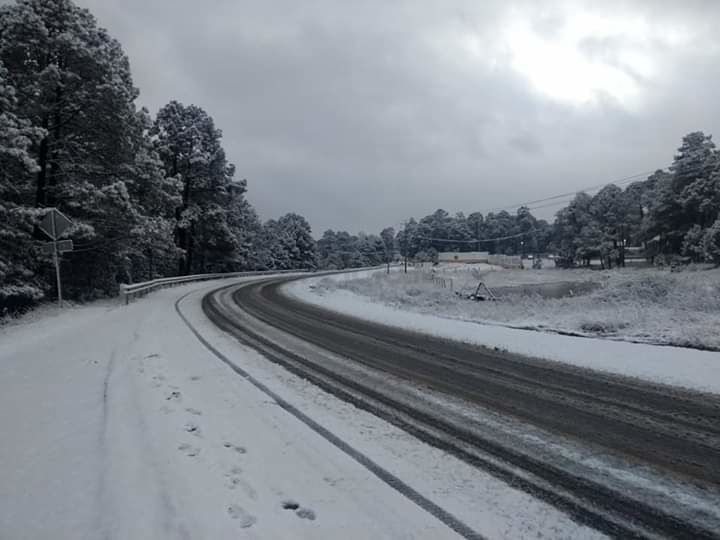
556	202
619	181
479	240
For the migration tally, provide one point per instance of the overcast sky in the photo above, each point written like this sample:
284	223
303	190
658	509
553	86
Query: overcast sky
358	114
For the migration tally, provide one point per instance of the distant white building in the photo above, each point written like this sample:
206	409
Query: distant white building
466	257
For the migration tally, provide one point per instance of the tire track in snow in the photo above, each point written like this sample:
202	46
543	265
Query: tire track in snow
384	475
119	390
608	509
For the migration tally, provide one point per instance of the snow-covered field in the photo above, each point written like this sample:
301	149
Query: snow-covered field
679	366
643	305
119	423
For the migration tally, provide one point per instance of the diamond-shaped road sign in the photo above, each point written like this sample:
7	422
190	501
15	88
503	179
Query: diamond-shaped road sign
55	223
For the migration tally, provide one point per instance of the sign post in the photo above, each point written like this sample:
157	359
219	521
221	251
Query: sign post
54	224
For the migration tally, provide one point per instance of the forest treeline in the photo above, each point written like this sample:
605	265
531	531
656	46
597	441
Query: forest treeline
673	215
149	196
155	196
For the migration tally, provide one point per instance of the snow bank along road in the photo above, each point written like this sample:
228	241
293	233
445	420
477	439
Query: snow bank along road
625	457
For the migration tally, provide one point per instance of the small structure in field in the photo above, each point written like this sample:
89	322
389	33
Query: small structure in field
463	257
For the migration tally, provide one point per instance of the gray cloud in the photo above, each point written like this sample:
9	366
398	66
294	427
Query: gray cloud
358	115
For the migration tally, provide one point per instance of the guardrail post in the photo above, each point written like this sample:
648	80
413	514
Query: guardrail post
123	294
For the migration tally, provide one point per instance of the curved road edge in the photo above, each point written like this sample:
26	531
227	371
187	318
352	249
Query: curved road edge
610	512
393	481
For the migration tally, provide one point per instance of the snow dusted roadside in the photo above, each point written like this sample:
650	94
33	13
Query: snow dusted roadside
120	424
689	368
642	305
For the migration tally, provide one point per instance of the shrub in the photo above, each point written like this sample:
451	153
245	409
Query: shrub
711	243
15	299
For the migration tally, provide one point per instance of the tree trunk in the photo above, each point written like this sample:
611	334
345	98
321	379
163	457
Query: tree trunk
40	193
189	252
51	196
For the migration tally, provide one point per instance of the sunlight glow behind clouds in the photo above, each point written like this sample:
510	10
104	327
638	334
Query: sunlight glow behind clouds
359	114
559	65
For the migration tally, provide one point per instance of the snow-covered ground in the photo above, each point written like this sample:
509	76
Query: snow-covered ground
646	305
690	368
119	423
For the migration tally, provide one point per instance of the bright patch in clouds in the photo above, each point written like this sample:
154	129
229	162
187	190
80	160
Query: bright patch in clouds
585	59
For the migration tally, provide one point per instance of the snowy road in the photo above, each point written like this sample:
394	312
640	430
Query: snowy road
626	457
118	423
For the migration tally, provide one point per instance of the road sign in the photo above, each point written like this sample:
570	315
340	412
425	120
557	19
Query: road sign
64	245
55	223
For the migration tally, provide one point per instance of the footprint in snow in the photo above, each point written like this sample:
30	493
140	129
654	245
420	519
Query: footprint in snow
151	356
235	481
194	411
238	449
193	428
302	513
305	513
189	450
236	511
174	396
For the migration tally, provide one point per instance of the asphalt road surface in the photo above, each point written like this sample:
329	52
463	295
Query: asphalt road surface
673	432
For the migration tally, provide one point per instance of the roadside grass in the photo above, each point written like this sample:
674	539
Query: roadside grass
648	305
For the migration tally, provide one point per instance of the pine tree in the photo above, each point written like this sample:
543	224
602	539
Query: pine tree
711	243
388	244
301	248
328	258
190	147
73	82
156	196
20	287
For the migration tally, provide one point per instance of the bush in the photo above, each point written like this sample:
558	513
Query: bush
15	299
711	243
692	245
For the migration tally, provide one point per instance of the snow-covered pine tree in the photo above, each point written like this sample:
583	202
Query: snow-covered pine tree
20	287
326	249
190	147
154	253
687	197
711	243
273	247
295	230
387	237
73	81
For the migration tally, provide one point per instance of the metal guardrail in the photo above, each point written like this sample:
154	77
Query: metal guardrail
127	292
